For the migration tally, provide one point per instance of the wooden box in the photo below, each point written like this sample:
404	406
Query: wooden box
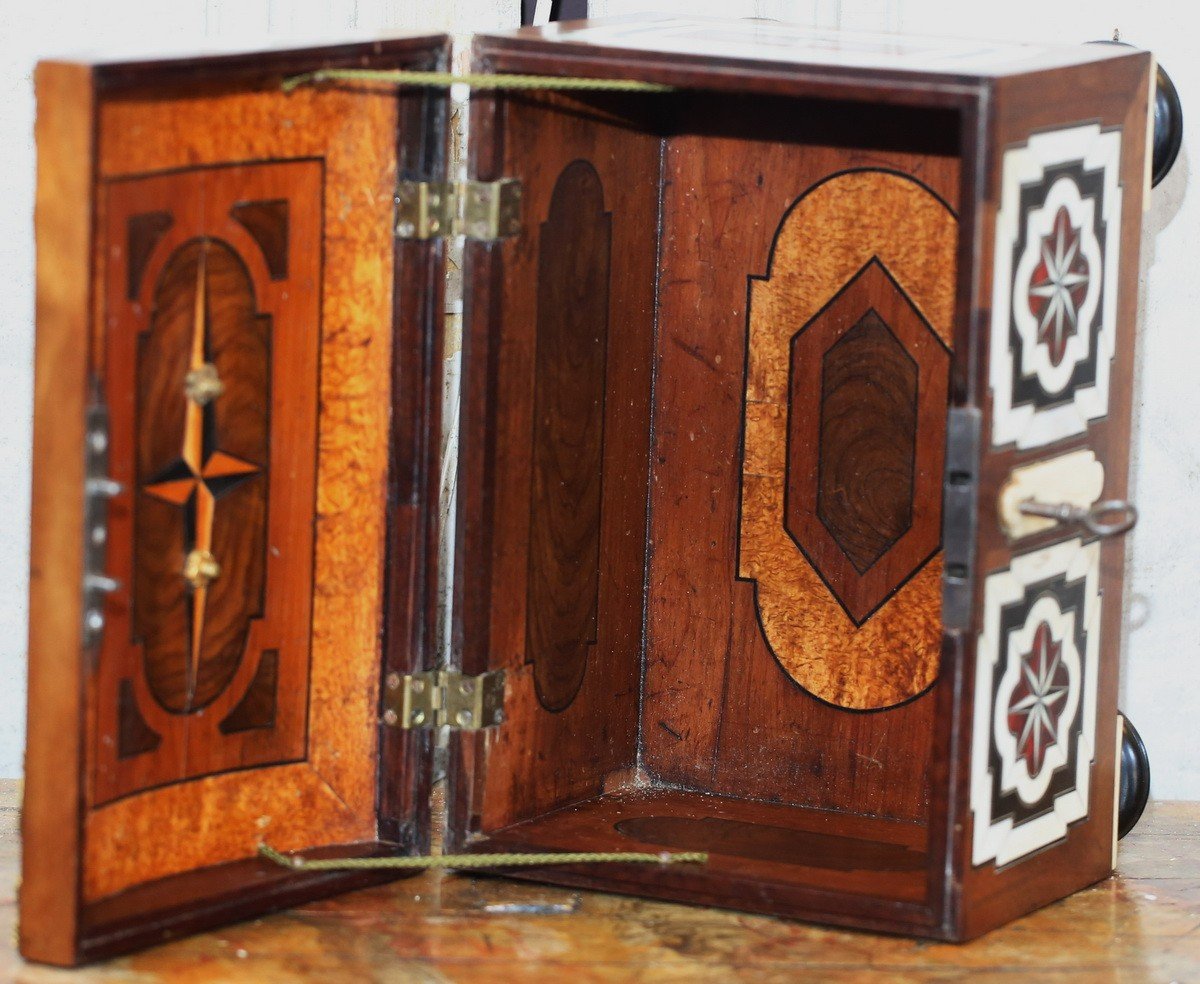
757	373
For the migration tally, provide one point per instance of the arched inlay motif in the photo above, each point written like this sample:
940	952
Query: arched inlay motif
562	594
845	415
200	475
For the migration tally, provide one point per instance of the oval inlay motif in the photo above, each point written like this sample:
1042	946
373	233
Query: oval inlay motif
562	594
201	470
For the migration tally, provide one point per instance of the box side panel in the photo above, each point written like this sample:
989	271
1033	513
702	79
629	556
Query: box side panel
806	318
1061	217
50	819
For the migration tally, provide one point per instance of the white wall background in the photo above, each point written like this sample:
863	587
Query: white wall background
1159	690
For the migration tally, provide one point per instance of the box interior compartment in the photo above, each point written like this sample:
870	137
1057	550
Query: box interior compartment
720	627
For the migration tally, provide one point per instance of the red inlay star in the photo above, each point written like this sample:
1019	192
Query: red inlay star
1058	286
1036	705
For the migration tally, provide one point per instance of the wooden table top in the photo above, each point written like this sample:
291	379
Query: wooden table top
1143	925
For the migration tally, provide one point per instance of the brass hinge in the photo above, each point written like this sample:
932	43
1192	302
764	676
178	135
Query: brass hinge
475	209
445	697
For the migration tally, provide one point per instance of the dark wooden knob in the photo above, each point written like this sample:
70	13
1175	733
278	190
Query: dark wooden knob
1168	127
1135	780
1168	122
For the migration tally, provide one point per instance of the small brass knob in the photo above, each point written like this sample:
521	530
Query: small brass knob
203	384
200	569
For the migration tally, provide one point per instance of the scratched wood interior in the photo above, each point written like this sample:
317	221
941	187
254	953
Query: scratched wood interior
1143	925
686	728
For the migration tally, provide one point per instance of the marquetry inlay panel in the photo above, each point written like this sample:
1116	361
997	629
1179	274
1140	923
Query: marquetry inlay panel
845	415
211	384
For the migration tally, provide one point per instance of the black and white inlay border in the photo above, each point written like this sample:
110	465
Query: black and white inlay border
1023	802
1054	297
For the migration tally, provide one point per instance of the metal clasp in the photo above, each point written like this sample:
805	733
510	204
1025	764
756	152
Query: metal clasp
98	489
1092	519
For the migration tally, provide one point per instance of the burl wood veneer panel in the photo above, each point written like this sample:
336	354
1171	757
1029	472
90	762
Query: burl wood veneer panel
568	438
250	233
846	392
802	364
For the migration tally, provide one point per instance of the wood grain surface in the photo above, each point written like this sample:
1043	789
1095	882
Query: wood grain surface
712	677
1143	925
356	481
62	390
542	759
331	792
861	633
570	377
233	477
868	441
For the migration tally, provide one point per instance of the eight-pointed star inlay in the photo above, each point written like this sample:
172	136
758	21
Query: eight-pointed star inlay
202	474
1058	286
1038	699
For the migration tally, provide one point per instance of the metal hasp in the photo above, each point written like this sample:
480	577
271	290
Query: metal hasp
98	490
446	697
486	210
959	515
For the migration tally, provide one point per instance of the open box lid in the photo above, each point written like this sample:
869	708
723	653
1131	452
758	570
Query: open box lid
234	466
237	384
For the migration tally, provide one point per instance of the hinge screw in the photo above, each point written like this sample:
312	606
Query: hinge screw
393	681
418	717
465	718
467	686
390	717
417	685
